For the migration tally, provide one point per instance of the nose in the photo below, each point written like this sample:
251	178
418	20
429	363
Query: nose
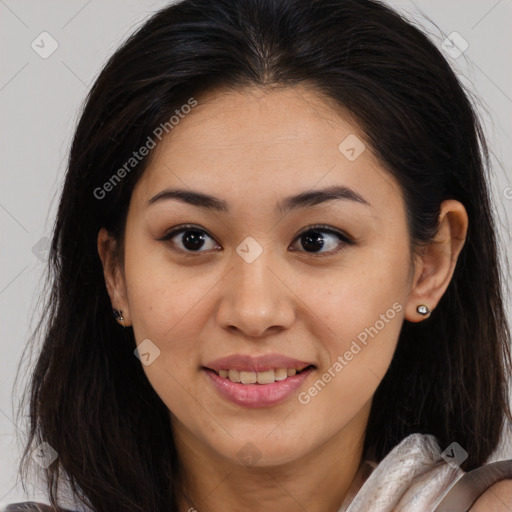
255	300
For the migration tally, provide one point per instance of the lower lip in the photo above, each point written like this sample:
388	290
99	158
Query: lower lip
258	395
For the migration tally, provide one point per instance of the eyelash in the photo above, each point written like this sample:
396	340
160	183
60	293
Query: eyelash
344	239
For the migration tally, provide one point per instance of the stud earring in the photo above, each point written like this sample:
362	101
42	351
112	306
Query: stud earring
423	310
118	314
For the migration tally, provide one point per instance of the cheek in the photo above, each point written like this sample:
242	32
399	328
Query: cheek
162	295
361	309
368	291
167	306
172	321
364	327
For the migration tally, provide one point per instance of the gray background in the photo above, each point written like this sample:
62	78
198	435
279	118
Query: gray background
39	103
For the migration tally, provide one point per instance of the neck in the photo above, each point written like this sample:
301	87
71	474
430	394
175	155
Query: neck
318	481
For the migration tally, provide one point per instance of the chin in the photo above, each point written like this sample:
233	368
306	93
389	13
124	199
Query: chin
259	450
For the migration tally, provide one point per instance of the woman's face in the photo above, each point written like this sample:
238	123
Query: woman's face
271	276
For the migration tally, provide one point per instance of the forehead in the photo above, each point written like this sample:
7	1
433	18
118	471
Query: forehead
254	142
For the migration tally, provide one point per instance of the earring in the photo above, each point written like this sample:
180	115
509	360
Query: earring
423	310
118	314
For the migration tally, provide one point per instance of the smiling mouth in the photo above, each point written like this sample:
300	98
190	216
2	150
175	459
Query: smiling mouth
265	377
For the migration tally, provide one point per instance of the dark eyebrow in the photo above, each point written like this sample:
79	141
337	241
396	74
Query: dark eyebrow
191	197
314	197
302	200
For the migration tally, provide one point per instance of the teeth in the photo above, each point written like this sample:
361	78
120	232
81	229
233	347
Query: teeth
266	377
248	377
234	375
280	374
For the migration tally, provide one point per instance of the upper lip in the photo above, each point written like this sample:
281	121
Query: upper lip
261	363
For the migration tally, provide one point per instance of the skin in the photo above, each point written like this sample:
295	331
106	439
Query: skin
252	148
497	498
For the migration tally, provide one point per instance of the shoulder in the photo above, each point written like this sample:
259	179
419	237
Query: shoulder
31	506
497	498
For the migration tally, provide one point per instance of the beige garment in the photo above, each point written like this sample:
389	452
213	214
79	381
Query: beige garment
413	477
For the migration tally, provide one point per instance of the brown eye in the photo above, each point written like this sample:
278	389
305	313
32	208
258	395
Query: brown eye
317	238
189	239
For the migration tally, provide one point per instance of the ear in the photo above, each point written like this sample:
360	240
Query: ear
436	262
114	277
